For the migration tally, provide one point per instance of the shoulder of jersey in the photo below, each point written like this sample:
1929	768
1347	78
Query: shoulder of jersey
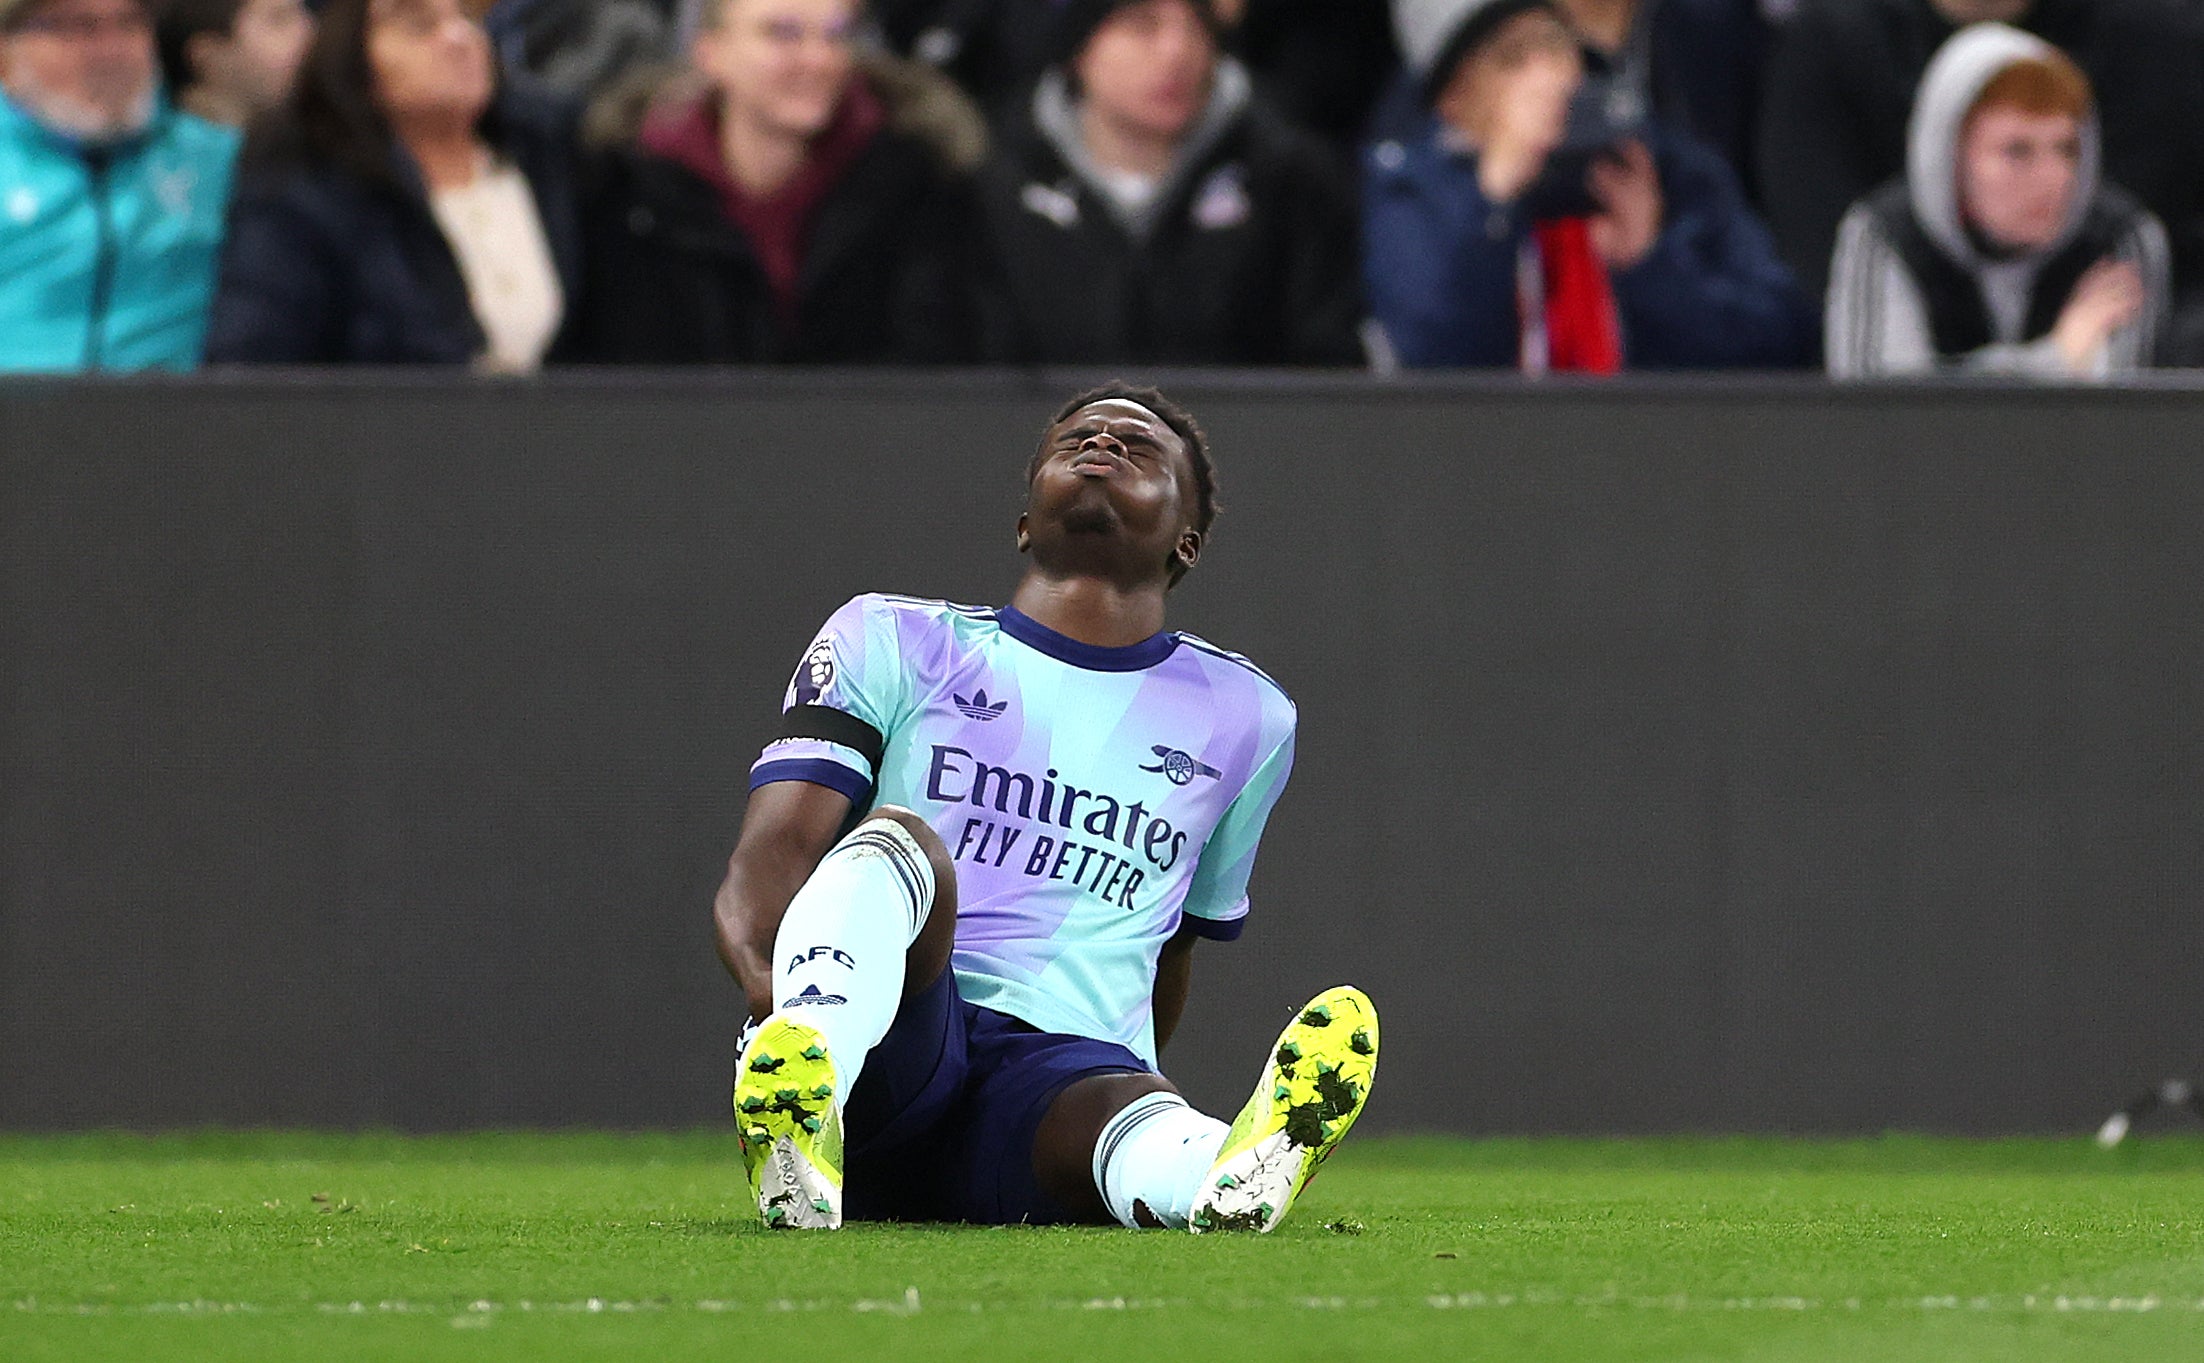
927	606
935	615
1201	645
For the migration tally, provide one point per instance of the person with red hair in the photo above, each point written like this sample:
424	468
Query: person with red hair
1842	77
2000	250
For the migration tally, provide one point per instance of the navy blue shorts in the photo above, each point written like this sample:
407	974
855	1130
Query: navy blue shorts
940	1126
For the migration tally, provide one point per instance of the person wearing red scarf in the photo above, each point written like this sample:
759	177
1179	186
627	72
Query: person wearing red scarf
1495	239
1507	97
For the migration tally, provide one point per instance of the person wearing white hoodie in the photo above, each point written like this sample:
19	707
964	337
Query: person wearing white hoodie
2001	250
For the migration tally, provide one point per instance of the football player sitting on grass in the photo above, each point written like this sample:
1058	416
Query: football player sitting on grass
976	862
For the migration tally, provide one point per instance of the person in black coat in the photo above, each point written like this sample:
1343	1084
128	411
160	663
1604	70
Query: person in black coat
403	207
1151	211
805	206
1841	84
1319	64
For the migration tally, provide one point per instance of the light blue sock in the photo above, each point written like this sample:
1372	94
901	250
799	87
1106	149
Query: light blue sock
838	958
1154	1153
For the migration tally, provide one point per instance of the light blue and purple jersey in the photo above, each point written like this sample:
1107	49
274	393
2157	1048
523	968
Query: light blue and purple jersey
1092	798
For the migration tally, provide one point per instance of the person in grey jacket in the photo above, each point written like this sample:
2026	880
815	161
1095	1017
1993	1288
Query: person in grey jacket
2000	250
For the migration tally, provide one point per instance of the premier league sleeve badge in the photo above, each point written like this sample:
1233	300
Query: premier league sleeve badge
813	676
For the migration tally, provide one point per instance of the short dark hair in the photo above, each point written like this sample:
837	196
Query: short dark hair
177	22
1182	424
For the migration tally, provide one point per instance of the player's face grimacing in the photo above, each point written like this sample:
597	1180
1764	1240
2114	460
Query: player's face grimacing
1114	489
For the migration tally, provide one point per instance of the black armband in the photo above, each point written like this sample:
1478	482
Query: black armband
835	726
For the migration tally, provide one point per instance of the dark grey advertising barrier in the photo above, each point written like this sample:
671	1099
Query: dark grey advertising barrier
1759	759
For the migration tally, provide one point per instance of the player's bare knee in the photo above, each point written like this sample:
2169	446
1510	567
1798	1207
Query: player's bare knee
1079	1113
1064	1142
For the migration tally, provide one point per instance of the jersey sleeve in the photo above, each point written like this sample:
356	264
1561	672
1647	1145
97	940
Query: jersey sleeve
840	706
1217	898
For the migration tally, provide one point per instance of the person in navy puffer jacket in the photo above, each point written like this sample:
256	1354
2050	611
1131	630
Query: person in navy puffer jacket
406	206
1488	246
111	202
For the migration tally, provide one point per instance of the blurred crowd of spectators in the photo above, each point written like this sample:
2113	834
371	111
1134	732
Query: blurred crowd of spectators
1879	186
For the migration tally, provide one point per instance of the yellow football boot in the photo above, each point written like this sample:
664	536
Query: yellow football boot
788	1114
1314	1086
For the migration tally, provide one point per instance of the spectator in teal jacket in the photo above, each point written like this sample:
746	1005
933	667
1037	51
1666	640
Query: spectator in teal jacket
111	202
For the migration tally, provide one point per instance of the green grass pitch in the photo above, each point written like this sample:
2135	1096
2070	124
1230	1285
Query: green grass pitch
554	1247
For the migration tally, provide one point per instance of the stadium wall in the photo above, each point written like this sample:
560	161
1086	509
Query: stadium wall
1673	757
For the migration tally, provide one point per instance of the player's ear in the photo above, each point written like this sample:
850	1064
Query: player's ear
1188	550
1025	536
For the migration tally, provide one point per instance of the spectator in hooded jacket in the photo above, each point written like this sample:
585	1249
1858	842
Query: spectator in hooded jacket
1840	86
1999	251
110	201
403	207
1489	246
1151	211
786	199
230	61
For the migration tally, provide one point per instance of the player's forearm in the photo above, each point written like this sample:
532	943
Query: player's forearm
747	914
787	828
